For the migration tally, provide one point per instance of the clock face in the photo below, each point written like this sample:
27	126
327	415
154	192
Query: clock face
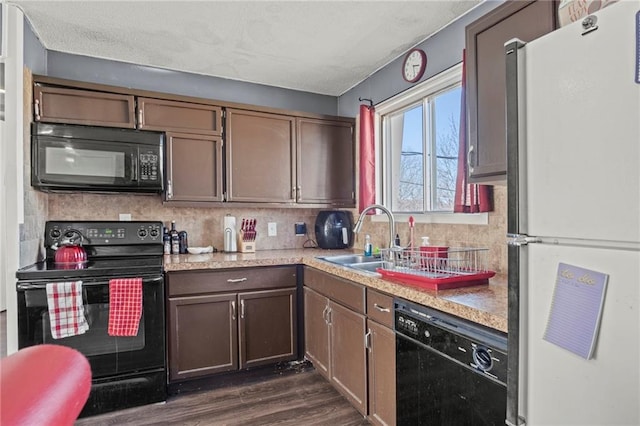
414	65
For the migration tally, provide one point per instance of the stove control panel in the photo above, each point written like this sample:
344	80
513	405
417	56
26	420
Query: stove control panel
103	233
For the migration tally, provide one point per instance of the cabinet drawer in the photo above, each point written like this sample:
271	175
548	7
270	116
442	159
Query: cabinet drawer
236	280
73	106
380	308
164	115
343	291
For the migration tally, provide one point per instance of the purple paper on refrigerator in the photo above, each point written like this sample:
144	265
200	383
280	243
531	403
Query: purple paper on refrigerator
576	309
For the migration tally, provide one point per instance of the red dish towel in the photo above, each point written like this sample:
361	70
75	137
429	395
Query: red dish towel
66	313
125	306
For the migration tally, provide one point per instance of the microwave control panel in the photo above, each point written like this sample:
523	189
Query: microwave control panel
149	166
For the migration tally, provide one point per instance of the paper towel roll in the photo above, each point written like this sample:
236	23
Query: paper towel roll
229	234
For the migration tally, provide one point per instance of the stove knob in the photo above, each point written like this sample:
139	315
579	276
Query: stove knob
154	233
142	233
55	233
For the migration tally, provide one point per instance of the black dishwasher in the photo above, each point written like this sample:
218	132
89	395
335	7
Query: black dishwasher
448	371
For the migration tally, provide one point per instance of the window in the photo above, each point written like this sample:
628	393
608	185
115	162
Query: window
419	139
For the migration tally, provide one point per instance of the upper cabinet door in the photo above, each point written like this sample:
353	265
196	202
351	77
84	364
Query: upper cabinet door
260	157
185	117
325	172
485	38
194	167
74	106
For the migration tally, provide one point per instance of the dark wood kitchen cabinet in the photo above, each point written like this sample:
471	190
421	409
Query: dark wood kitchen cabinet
193	167
486	79
381	343
183	117
326	162
260	157
202	335
343	333
75	106
267	327
230	319
316	330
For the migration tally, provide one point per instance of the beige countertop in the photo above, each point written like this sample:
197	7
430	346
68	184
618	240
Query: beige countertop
484	304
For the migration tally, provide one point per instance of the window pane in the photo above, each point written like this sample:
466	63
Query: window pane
407	168
447	128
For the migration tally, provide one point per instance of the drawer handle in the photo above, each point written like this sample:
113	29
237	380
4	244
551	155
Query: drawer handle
236	280
381	308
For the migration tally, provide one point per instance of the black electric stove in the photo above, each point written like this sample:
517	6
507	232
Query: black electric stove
126	370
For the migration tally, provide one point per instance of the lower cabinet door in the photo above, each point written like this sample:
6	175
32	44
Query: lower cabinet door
382	374
267	327
203	337
316	330
348	354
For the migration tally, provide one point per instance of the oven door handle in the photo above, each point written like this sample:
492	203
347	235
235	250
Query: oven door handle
42	286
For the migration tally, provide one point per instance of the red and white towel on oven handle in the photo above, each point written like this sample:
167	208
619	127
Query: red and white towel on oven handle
125	306
66	311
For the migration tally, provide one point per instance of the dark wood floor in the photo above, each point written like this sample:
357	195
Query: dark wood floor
303	398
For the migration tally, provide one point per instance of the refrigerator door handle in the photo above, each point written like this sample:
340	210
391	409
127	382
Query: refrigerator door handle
519	240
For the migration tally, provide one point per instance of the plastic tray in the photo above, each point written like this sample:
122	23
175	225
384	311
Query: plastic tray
437	283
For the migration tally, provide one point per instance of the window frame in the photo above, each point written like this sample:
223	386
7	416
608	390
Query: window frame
413	96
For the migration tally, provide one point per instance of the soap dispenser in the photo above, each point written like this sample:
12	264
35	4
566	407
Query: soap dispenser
367	245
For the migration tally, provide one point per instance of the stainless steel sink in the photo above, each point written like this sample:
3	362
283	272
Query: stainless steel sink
349	259
358	262
367	266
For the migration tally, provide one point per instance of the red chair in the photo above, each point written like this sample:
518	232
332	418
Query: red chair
43	385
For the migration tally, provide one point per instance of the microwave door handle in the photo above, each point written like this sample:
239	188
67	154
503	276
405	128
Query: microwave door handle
134	168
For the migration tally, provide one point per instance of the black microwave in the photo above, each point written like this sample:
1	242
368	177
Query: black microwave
67	157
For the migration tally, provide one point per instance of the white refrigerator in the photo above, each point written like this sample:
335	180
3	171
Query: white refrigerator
573	137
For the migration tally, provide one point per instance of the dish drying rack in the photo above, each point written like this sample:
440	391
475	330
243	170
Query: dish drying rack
436	268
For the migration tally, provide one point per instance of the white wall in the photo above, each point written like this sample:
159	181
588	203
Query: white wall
11	169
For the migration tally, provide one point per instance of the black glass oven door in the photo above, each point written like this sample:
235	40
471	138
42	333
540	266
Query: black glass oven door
108	355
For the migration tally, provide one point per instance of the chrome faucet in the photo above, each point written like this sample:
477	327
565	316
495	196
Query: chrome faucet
392	222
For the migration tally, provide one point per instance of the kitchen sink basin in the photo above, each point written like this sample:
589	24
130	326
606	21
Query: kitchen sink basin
350	259
358	262
367	266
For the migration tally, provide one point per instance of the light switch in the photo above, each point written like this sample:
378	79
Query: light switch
272	230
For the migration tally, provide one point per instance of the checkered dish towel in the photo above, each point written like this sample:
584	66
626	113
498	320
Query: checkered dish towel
66	312
125	306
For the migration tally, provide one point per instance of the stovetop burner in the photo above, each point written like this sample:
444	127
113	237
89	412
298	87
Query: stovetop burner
93	268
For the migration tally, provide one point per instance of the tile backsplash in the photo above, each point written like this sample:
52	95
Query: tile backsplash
203	225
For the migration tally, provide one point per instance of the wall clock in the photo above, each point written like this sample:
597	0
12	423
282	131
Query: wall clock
414	65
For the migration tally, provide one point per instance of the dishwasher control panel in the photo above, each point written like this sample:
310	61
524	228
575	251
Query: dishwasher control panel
476	347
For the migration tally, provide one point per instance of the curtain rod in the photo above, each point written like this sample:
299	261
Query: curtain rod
367	100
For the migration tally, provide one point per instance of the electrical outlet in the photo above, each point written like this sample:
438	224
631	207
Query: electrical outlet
125	217
301	229
272	230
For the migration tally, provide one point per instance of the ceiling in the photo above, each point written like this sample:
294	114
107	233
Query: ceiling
324	47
